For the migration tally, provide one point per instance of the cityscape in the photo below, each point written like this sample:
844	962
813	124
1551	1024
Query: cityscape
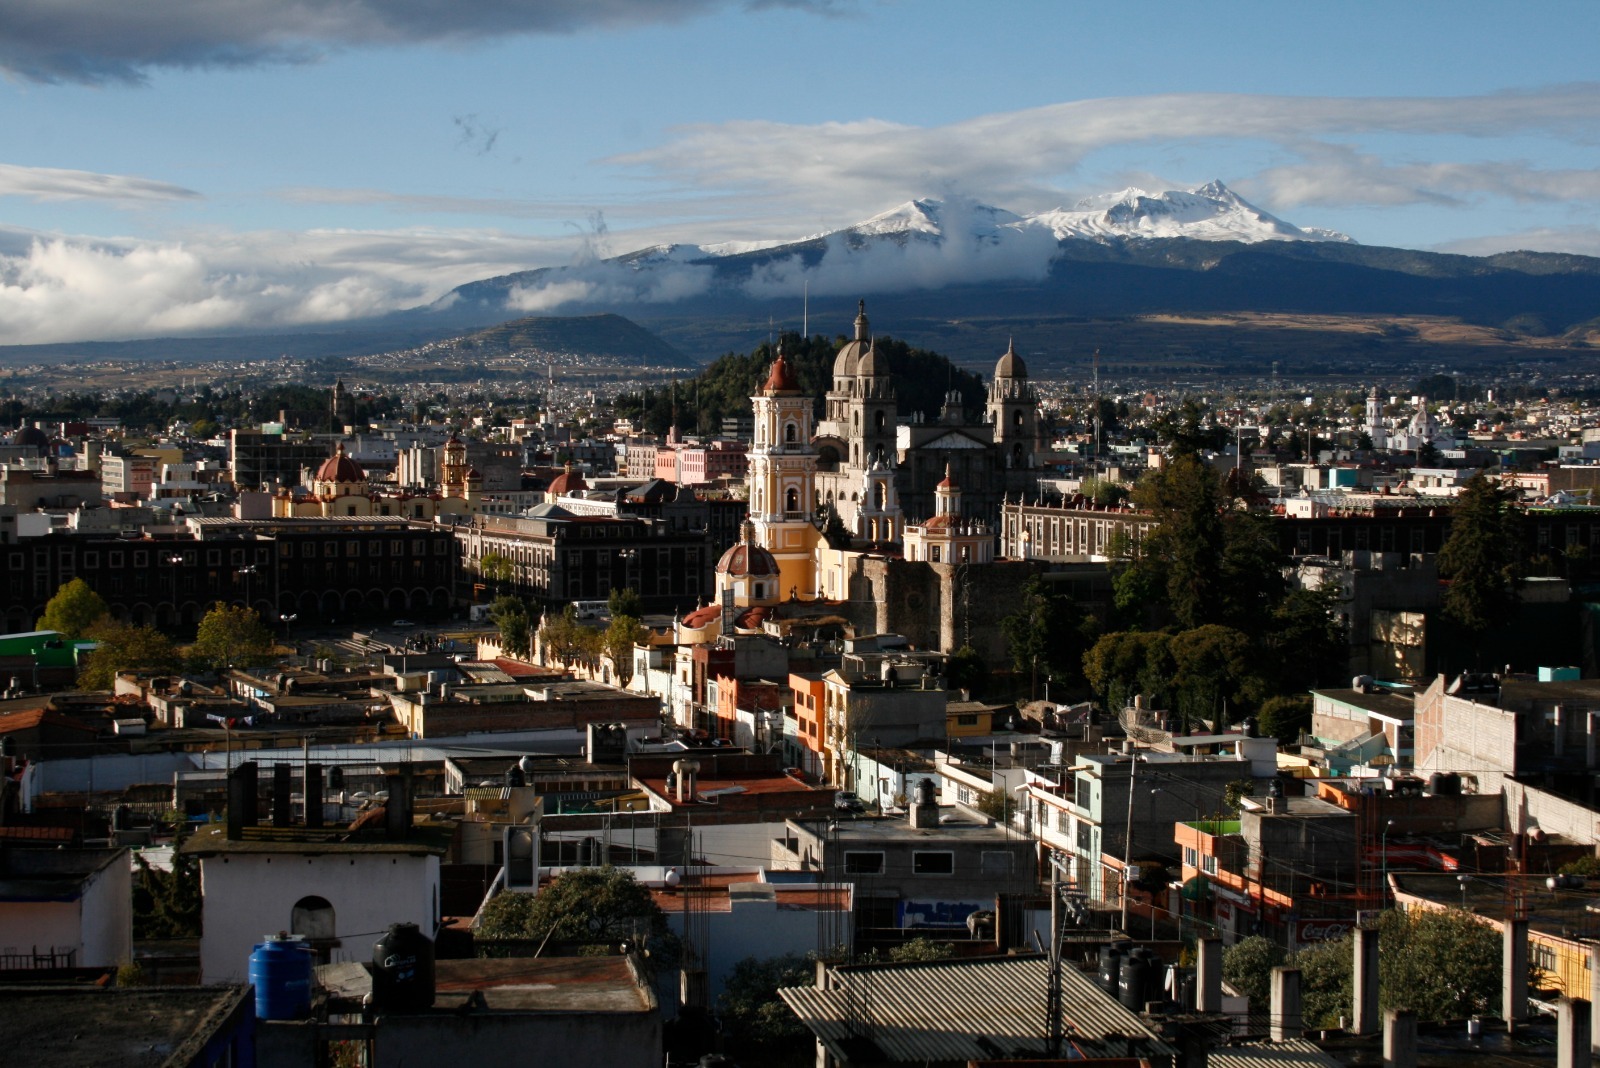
810	534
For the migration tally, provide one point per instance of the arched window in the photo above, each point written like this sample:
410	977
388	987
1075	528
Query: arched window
791	501
855	420
880	421
877	497
312	918
1016	420
789	433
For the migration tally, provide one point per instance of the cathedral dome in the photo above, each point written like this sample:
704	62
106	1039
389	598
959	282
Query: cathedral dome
1010	364
746	559
844	364
31	436
872	364
782	378
569	481
340	468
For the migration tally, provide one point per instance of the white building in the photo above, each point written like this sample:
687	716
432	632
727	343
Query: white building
65	908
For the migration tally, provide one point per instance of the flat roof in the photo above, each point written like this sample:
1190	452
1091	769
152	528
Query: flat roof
91	1027
879	828
425	838
542	985
1383	703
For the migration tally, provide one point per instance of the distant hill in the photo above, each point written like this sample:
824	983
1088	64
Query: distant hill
604	335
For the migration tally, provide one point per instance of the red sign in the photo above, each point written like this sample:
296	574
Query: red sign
1321	930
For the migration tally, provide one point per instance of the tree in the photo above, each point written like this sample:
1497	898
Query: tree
1213	670
166	904
967	670
586	906
1283	717
73	609
1045	631
511	616
1482	556
496	568
754	1018
230	636
1305	642
1247	966
620	637
1125	663
124	647
625	602
1186	546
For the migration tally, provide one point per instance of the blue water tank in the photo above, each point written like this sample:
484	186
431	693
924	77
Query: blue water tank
280	970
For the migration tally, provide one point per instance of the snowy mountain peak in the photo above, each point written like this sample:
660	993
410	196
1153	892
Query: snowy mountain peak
1211	212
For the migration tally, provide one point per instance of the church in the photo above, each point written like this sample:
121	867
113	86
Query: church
916	500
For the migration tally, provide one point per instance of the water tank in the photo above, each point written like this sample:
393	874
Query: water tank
280	970
1110	967
924	791
515	777
1445	784
402	970
1133	982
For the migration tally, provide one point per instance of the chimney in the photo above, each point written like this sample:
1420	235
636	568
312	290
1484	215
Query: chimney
397	811
1399	1039
1209	975
1572	1033
1514	973
313	796
1365	1019
242	804
924	806
1286	1023
685	770
282	796
1594	995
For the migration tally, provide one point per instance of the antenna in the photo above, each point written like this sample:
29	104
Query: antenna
805	308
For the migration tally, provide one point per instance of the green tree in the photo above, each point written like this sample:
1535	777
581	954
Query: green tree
1305	644
511	616
1283	717
73	609
1125	663
583	906
920	948
1482	556
1046	631
124	647
625	602
166	904
967	670
1213	674
756	1022
621	636
1185	549
231	636
1247	966
496	569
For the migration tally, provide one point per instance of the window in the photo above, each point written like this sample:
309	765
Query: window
1085	837
1208	864
861	863
997	862
926	862
1191	859
1084	796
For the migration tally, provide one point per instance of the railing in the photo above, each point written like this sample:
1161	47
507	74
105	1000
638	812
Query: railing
11	960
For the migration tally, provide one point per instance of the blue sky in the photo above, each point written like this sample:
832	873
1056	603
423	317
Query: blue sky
184	166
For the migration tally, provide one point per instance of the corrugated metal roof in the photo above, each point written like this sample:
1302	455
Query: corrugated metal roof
939	1011
1293	1053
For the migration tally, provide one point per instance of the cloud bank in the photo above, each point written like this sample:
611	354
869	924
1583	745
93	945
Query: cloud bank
99	41
58	288
51	183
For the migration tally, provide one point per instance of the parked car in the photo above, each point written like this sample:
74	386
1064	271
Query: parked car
402	623
847	801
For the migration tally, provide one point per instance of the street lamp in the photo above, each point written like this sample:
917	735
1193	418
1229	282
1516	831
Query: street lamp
1387	827
247	571
287	619
1463	880
175	559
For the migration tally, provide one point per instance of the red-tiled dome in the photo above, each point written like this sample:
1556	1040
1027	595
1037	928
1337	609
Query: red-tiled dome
569	481
701	616
747	559
782	378
340	468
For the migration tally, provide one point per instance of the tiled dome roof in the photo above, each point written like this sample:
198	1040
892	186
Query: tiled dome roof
747	559
569	481
1010	364
782	378
340	468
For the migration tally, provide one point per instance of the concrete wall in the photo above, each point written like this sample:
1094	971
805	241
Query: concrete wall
1527	807
1454	733
107	915
572	1040
42	925
250	895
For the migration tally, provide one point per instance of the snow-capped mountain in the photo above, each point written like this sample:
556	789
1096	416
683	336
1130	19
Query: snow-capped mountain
922	244
1213	212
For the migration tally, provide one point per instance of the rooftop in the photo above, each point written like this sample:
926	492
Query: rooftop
425	838
68	1027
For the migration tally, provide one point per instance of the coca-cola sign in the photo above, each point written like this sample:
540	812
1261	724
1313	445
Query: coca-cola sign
1321	930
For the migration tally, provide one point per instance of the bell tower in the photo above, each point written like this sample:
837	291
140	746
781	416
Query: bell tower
783	477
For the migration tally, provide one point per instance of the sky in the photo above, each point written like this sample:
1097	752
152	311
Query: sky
177	167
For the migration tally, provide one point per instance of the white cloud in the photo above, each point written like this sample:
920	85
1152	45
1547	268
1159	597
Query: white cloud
98	41
53	183
1021	158
1582	240
60	288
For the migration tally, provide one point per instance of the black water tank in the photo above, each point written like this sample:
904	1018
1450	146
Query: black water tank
402	970
1133	983
1110	968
